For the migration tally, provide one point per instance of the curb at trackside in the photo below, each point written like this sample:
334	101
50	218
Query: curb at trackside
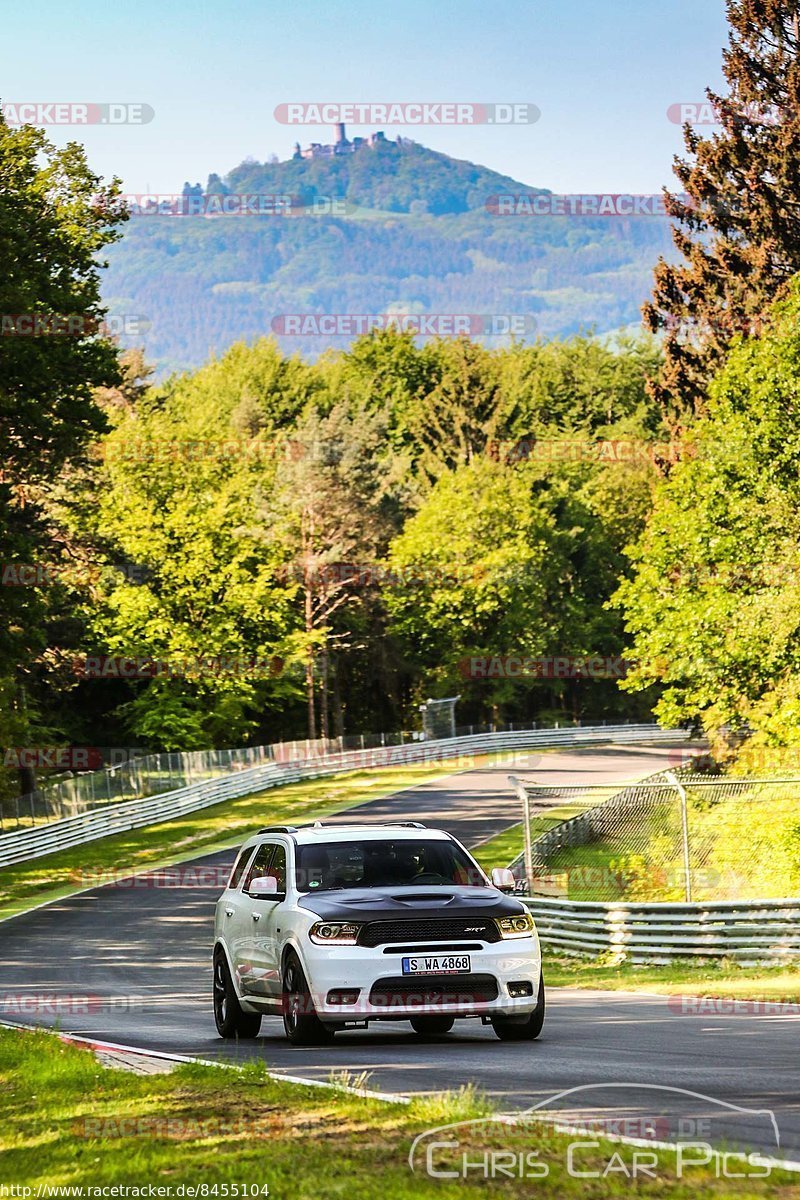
120	1047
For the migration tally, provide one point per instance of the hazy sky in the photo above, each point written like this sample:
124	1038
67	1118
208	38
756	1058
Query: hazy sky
603	76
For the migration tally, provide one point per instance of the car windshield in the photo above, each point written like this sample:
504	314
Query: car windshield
401	863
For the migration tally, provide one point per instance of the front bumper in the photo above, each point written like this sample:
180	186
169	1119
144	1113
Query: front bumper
385	994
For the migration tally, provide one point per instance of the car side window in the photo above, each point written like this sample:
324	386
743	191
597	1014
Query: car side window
260	865
239	867
277	869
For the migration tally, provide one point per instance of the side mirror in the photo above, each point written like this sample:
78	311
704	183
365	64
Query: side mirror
267	885
503	879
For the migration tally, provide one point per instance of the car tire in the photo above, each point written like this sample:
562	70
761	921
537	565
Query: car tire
522	1029
231	1020
432	1026
300	1021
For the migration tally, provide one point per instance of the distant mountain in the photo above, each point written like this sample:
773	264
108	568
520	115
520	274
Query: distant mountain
389	227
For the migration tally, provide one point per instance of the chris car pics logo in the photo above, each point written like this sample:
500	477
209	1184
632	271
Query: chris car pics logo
608	1131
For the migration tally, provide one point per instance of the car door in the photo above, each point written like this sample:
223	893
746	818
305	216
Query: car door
231	908
260	918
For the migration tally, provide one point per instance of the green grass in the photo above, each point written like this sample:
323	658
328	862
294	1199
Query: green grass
216	828
501	850
742	847
706	978
66	1121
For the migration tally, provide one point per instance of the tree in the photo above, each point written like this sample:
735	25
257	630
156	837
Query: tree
514	559
713	607
56	216
328	515
738	223
174	493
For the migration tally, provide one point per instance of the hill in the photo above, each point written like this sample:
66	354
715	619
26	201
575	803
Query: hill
419	234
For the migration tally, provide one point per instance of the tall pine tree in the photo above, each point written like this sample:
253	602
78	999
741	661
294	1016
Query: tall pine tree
738	223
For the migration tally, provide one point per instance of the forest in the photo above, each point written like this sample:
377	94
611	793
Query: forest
270	546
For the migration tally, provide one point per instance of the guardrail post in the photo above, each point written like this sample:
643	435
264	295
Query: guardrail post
526	820
617	931
687	872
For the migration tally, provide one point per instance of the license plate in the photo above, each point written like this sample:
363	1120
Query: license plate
437	964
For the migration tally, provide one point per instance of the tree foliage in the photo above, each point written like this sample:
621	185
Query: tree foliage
55	218
713	606
738	220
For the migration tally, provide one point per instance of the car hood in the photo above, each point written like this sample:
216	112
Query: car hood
395	903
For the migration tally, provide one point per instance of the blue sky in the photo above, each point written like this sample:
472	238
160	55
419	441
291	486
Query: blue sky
603	76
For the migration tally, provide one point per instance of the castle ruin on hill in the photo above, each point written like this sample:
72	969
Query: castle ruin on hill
342	144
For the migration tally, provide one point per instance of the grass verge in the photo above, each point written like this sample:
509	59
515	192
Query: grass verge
217	828
501	850
67	1122
707	978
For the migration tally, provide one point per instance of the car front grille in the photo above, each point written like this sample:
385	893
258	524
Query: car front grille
466	929
403	991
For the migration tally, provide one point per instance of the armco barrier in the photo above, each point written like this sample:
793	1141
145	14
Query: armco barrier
751	932
24	844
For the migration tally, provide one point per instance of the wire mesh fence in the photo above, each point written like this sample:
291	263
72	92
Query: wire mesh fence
439	718
676	836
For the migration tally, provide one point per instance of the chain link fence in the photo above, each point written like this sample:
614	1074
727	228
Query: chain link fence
675	836
439	718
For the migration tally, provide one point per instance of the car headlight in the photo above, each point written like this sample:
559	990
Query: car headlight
515	927
334	933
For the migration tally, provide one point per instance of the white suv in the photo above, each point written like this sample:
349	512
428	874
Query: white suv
334	926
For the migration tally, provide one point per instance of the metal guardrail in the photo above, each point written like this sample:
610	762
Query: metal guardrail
24	844
141	776
750	933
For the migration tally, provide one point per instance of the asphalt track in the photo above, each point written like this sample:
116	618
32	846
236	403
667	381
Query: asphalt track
132	965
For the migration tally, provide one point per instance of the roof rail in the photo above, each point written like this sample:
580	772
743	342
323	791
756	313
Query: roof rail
375	825
339	824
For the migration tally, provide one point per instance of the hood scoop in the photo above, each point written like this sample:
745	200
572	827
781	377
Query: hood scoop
426	898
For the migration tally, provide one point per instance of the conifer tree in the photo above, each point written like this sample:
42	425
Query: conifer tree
738	222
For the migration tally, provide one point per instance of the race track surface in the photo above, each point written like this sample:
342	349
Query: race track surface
132	965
